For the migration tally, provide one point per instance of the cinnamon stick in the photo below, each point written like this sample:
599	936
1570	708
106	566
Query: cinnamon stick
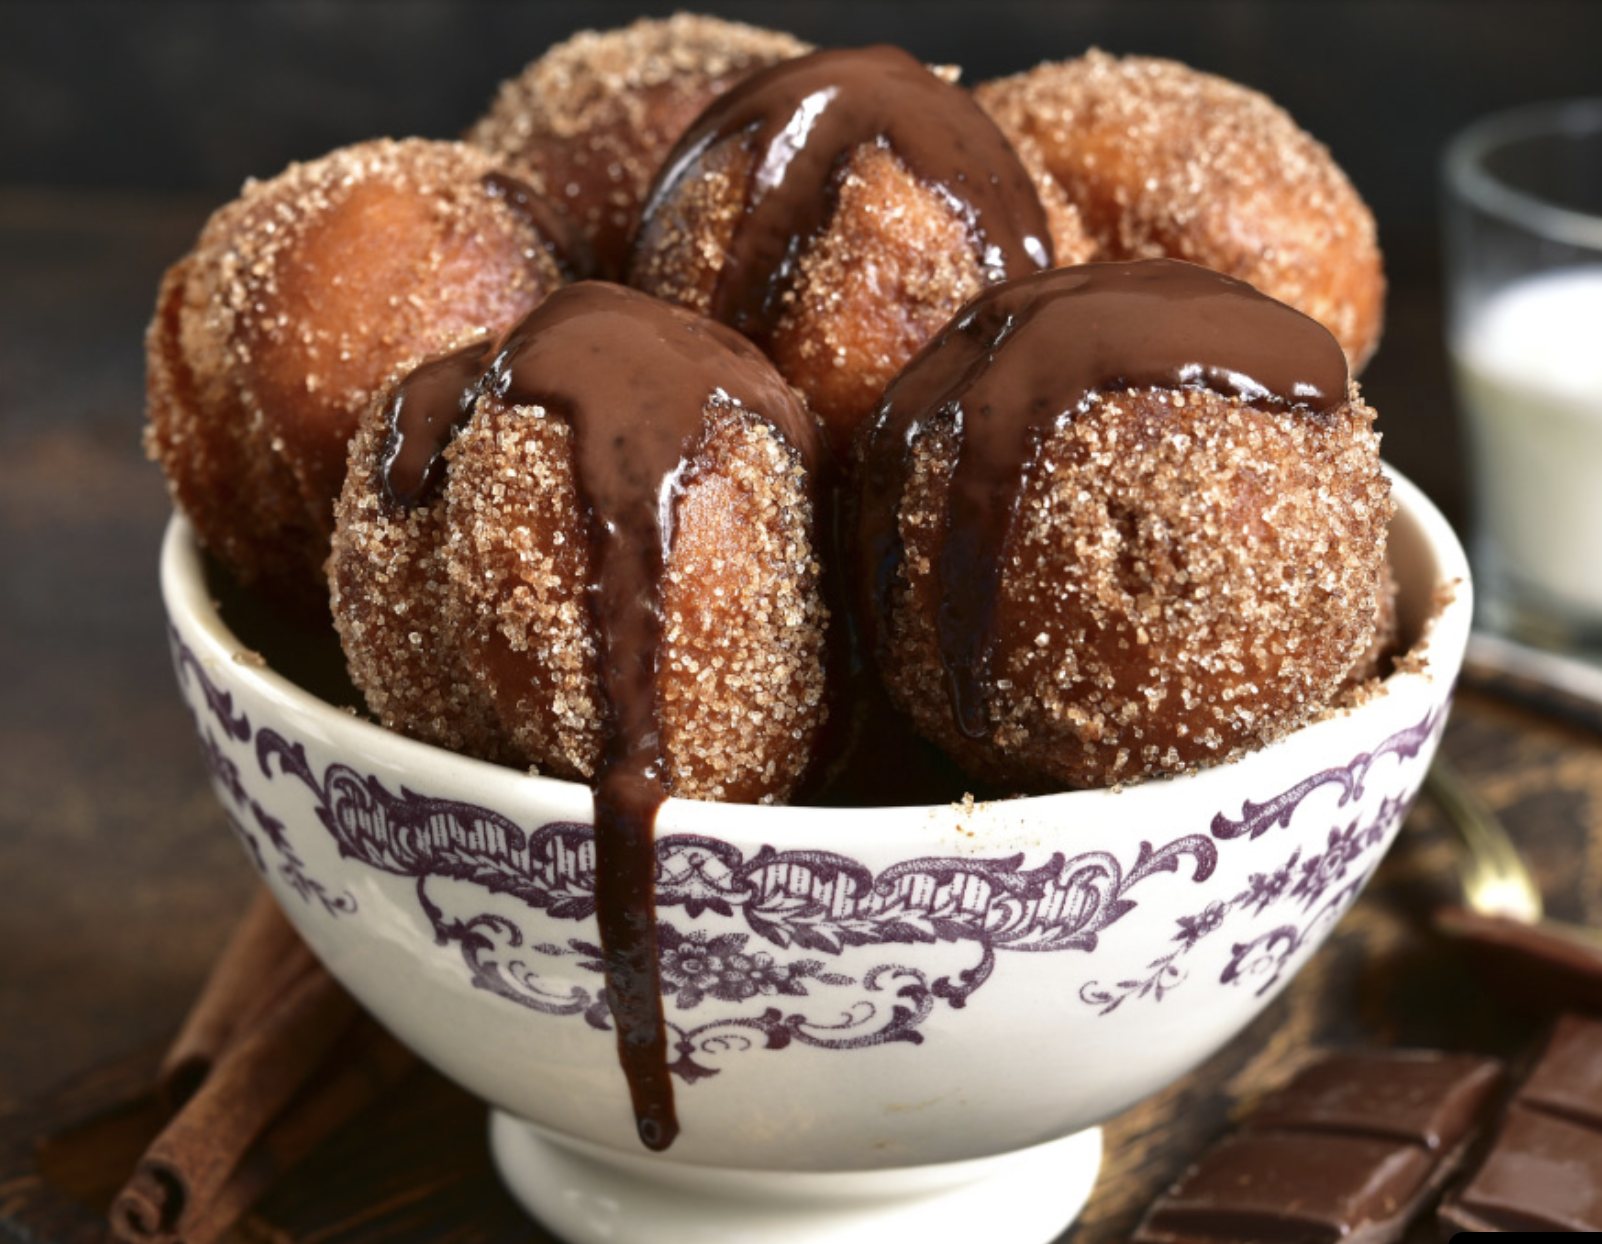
261	960
261	1070
367	1065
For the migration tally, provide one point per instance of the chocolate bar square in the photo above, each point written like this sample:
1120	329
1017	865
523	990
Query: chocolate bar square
1289	1188
1543	1171
1349	1152
1543	1174
1567	1080
1418	1096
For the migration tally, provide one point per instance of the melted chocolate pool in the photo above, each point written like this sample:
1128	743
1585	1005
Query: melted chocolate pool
633	377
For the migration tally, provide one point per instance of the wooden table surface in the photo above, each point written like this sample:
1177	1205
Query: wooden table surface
119	881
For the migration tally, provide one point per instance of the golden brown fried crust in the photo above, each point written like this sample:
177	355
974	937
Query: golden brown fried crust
298	300
1383	647
396	614
591	120
466	622
1188	577
220	468
890	268
680	250
893	266
741	686
1164	160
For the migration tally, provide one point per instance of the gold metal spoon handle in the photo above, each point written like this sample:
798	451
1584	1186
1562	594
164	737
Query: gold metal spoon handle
1495	879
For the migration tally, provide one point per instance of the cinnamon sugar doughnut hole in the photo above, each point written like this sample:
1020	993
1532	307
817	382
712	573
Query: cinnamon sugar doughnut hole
837	209
589	121
296	303
1120	521
507	583
1165	160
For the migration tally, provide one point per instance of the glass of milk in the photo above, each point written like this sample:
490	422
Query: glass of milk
1523	218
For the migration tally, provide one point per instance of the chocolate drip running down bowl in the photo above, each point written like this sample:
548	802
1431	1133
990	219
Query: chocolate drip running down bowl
882	1021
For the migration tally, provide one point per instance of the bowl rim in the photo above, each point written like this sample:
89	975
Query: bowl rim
185	595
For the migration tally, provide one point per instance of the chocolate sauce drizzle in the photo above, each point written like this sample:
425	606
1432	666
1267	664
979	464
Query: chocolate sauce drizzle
1022	358
633	377
802	118
560	237
427	407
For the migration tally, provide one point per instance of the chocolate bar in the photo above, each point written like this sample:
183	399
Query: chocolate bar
1543	1170
1350	1151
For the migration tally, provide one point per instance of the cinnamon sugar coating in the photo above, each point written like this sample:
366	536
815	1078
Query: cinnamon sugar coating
466	620
589	121
1164	160
1188	578
1382	651
888	271
894	260
298	299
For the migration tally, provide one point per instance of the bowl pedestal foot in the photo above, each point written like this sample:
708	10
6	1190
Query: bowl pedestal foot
588	1195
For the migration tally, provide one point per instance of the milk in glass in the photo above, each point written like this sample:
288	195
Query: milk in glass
1529	372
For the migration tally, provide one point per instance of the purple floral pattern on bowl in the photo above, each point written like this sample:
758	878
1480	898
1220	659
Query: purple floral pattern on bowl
236	799
1322	884
747	941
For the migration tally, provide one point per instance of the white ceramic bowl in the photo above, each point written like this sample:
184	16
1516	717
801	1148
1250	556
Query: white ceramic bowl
886	1020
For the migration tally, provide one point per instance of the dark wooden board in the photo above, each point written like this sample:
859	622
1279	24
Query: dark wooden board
417	1168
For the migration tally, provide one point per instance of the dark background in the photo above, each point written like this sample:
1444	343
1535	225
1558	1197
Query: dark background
123	124
195	95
